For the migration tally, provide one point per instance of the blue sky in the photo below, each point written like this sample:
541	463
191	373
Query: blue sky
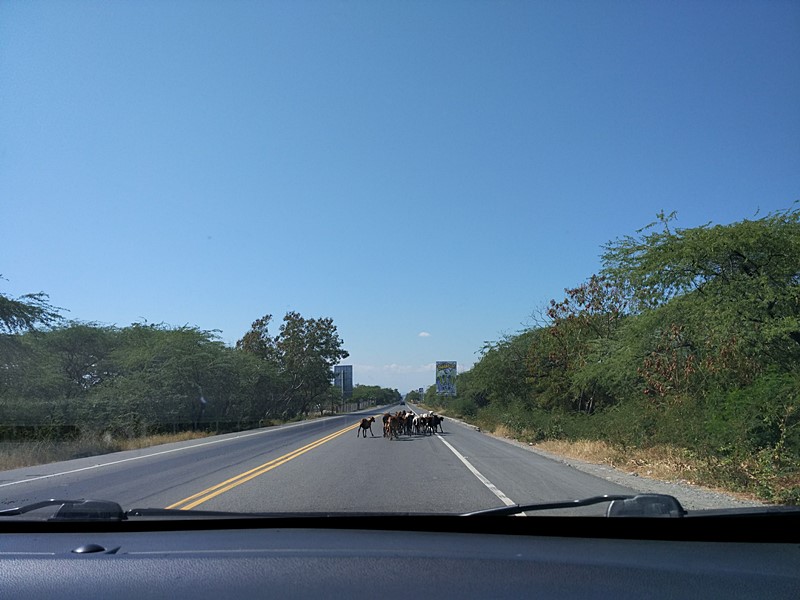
428	174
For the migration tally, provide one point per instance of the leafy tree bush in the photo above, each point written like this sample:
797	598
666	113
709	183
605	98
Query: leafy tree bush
687	337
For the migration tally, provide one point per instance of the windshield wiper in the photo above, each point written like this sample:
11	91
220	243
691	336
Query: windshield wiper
106	510
640	505
194	513
73	510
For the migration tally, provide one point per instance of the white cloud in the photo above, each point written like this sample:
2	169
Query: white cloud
423	334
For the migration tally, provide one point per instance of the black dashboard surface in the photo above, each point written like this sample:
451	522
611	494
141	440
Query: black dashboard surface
282	562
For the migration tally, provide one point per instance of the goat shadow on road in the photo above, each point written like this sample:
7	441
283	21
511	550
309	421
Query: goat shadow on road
407	438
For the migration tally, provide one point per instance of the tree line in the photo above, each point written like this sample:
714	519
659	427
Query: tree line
60	378
688	337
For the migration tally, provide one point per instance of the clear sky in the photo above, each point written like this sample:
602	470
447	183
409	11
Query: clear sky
426	173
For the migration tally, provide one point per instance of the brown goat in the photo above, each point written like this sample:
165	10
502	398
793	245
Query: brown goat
386	417
365	424
391	427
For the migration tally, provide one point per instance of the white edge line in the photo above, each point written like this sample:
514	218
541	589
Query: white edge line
124	460
492	487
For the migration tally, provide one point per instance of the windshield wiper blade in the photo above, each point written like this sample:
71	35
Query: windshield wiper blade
641	505
215	514
193	513
72	510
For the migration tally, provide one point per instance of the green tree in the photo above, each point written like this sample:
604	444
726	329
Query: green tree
258	340
81	351
304	352
26	312
365	395
160	376
18	315
581	336
719	304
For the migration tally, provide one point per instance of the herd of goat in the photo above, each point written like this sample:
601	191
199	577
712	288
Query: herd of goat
404	423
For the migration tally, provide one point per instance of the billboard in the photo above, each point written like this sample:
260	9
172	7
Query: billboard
446	377
343	379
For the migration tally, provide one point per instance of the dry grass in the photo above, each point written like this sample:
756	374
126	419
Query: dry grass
667	463
155	440
506	432
15	455
662	462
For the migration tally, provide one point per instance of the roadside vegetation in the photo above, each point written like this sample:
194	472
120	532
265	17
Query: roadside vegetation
25	453
685	346
70	389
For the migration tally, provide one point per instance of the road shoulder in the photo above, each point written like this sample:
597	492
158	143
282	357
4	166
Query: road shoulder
692	497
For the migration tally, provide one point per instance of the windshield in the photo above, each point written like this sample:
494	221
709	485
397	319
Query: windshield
399	257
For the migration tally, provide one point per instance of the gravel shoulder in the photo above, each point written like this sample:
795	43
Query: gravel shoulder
692	497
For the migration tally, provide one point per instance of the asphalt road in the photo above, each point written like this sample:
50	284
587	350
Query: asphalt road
319	465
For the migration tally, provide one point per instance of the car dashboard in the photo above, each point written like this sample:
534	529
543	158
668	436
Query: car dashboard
393	556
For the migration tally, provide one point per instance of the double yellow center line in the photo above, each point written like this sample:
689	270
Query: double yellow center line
229	484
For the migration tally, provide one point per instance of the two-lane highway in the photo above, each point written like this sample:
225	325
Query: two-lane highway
163	475
318	465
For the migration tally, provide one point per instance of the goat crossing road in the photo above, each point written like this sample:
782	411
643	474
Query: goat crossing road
406	422
366	424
